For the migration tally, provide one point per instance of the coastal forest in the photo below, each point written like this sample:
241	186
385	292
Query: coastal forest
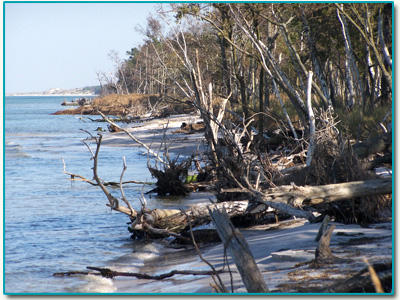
259	56
296	108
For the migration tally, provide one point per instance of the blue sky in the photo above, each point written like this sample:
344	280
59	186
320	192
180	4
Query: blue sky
63	45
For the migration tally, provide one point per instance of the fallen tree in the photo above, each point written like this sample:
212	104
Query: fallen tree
286	199
312	195
291	200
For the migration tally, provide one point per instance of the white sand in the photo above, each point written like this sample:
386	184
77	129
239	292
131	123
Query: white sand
157	133
276	252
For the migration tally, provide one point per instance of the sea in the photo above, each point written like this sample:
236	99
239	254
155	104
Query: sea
54	225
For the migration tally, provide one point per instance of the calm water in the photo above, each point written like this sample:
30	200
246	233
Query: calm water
55	225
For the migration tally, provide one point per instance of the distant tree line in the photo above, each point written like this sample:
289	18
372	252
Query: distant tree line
259	55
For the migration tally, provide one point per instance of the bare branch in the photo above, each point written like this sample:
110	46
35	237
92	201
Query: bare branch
121	188
73	176
133	138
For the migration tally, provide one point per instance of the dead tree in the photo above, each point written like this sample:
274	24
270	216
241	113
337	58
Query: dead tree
286	199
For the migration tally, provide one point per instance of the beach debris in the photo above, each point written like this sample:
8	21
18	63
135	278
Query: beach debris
362	281
171	177
108	273
323	252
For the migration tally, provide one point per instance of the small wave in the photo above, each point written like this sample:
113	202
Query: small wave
132	262
97	284
149	251
13	150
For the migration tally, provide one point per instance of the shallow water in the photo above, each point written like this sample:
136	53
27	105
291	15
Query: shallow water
55	225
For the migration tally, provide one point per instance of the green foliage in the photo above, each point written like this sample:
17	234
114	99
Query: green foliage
191	179
187	8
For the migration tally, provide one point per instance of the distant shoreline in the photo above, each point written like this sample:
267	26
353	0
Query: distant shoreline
51	95
88	91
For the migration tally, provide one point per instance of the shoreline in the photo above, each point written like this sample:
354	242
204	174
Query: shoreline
48	95
283	251
153	133
281	254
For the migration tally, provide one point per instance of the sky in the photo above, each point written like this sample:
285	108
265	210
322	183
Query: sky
63	45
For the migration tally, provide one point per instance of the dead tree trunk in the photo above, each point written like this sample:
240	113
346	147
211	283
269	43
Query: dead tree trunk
349	60
284	199
177	221
287	198
311	195
311	117
236	244
323	252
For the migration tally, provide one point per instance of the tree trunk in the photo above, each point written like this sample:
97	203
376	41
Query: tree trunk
261	103
297	195
236	244
243	95
323	252
284	109
225	71
349	76
316	64
311	117
177	221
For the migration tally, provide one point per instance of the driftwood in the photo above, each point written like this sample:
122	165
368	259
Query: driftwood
105	272
312	195
236	244
323	252
287	198
177	221
77	177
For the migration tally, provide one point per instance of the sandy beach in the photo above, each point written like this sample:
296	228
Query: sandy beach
159	132
282	251
281	255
